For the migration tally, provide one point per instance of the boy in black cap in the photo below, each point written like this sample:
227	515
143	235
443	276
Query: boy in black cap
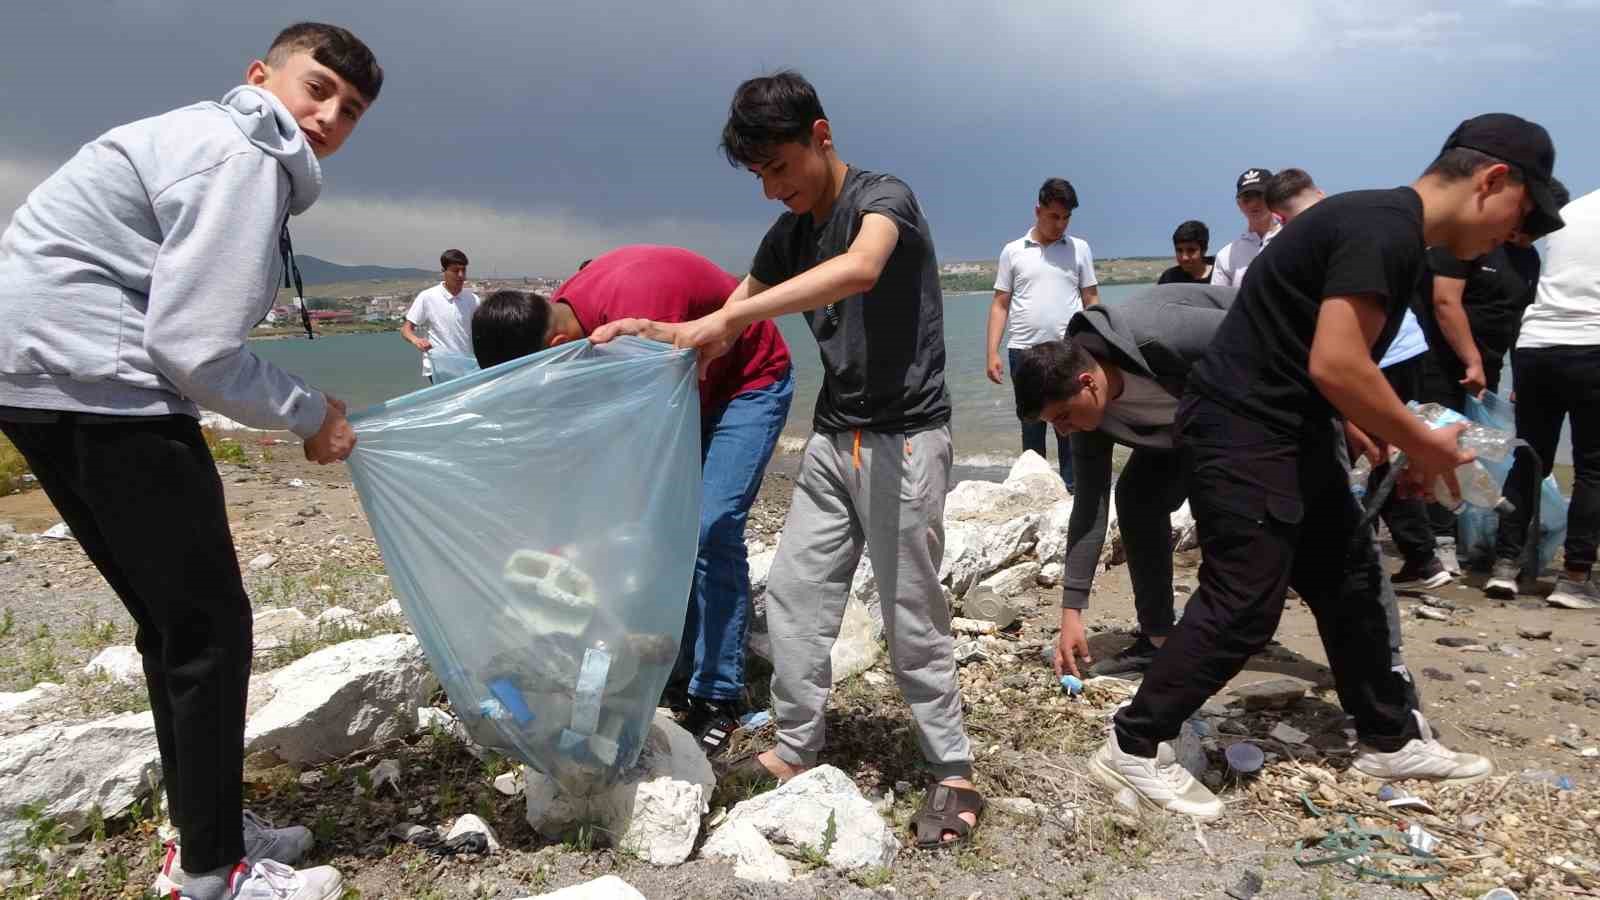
1261	226
1267	472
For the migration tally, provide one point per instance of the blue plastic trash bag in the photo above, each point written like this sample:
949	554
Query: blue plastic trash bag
539	520
450	366
1478	527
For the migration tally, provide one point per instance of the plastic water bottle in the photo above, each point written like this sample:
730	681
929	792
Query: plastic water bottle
1478	487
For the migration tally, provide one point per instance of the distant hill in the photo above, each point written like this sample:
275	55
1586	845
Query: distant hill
320	271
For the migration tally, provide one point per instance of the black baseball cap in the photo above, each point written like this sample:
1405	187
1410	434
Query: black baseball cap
1252	180
1526	145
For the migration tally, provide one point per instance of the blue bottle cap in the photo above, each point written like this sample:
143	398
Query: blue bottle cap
1244	757
1071	684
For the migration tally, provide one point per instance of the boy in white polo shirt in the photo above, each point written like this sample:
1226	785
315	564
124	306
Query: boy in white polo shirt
444	312
1261	226
1042	279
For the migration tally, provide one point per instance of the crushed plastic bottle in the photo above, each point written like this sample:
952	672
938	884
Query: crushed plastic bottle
1478	487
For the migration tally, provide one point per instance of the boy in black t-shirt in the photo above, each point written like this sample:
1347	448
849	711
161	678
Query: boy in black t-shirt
1264	461
1189	242
855	255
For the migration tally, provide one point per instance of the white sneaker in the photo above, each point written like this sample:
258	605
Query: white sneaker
1159	783
1423	758
262	841
1570	594
268	880
1445	550
1502	583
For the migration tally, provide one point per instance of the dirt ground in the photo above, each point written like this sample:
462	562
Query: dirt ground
1525	692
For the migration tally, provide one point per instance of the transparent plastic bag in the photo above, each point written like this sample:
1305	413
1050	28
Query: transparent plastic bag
450	366
539	521
1490	445
1479	527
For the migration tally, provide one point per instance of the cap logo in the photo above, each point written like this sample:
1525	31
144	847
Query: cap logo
1252	175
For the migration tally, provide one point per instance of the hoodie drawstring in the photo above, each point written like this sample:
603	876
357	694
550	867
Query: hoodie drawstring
290	270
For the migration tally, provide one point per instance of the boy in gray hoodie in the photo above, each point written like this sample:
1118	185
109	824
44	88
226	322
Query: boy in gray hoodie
130	279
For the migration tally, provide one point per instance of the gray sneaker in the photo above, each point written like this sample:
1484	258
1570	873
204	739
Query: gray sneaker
1571	594
1445	551
1502	583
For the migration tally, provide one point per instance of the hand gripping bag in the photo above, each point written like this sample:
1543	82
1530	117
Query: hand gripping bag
1478	527
539	521
450	366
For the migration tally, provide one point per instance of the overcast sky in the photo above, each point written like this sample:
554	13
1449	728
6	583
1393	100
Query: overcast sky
535	134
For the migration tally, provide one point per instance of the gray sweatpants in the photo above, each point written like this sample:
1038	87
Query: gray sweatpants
890	497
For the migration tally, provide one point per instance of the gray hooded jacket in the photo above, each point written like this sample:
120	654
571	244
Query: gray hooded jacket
131	277
1159	334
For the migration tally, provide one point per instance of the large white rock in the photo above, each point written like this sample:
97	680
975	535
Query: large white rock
963	556
342	698
1033	477
973	501
1052	545
656	809
1018	579
68	770
120	664
1010	542
857	647
12	701
276	626
1029	463
760	568
752	855
606	887
797	814
1050	574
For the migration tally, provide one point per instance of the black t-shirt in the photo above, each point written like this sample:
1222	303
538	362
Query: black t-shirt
1500	285
1362	242
882	351
1177	275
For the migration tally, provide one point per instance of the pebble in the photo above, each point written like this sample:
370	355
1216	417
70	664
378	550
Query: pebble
1428	612
1566	695
1474	686
308	512
1533	634
1475	669
1454	641
263	562
1437	675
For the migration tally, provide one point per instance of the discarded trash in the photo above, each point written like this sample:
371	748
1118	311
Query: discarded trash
972	626
1418	839
57	532
1545	776
1428	612
1478	487
295	482
755	719
386	772
1072	685
1398	799
987	604
1244	757
555	618
1288	734
1499	893
967	651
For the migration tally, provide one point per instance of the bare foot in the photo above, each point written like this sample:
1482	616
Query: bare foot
970	818
780	769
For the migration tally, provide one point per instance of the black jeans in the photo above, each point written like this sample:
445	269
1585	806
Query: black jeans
1033	434
1273	511
143	498
1553	383
1149	489
1407	519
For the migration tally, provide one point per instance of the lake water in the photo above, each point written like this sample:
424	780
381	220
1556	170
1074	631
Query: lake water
363	369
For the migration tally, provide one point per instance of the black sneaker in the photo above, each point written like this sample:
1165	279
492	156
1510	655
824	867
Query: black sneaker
1428	573
712	722
1132	661
675	697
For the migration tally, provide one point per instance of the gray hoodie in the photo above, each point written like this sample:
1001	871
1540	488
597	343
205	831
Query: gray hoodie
130	278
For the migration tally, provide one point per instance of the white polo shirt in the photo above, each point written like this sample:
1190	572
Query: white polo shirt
445	320
1045	283
1566	306
1235	258
1409	342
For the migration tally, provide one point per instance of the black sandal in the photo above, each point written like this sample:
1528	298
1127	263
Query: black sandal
941	812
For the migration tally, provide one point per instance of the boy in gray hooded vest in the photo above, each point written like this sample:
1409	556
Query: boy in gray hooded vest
131	279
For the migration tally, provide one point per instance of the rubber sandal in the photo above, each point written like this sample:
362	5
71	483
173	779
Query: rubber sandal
941	813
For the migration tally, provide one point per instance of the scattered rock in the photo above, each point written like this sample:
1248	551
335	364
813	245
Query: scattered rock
390	609
67	771
1272	693
656	808
1437	675
1436	615
1475	669
1566	695
1456	642
263	562
1248	886
335	614
857	647
1017	807
1288	734
16	700
1018	579
508	783
276	626
1473	686
1534	634
1190	749
797	814
121	664
753	857
343	698
606	887
471	824
1185	534
959	566
1050	574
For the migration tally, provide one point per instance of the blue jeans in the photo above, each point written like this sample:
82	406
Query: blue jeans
736	444
1033	434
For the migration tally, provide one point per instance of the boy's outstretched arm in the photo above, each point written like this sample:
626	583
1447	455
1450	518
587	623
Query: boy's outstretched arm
1341	366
